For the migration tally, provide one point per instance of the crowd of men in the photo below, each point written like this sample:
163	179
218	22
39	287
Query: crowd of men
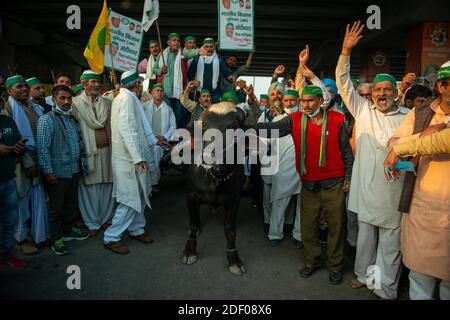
83	160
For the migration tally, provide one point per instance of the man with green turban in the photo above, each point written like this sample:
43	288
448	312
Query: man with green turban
37	93
196	109
372	197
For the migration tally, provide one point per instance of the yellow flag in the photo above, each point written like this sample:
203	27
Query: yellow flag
100	36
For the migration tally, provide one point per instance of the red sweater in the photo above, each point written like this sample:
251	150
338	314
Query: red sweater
334	165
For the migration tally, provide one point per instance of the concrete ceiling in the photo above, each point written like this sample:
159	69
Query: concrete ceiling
282	27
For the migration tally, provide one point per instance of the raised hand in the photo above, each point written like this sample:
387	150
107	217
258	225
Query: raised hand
303	57
279	70
352	37
407	81
307	73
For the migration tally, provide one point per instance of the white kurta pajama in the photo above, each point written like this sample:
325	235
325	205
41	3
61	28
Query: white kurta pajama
372	197
281	188
94	195
162	120
129	147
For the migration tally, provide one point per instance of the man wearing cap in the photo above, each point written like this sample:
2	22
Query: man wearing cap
59	147
290	101
263	102
196	109
173	67
146	66
161	118
281	191
30	188
324	161
93	113
209	69
132	139
190	50
372	197
37	93
425	199
236	71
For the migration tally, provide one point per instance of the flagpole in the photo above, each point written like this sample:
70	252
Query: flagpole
113	79
160	42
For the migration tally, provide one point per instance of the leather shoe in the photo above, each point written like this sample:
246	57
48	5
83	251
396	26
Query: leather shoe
144	238
117	247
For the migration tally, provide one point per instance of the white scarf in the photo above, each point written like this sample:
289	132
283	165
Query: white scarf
150	64
201	69
89	122
148	132
164	115
21	119
178	74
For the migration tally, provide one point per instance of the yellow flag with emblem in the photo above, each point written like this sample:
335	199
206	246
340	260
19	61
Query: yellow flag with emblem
100	37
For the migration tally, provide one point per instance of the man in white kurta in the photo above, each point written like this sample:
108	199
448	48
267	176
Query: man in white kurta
132	156
162	119
372	197
93	113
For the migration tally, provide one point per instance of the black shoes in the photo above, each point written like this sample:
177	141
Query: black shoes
335	277
307	271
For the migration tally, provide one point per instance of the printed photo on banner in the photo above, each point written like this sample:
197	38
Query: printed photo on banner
236	27
126	35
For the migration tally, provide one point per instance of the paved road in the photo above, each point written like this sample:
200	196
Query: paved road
155	271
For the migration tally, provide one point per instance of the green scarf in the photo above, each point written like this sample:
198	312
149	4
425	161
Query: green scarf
322	142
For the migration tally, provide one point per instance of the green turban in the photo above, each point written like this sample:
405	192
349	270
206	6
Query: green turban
14	80
152	42
312	90
174	36
158	85
291	92
189	38
204	91
354	79
88	74
230	95
264	96
444	71
208	41
33	81
385	77
77	89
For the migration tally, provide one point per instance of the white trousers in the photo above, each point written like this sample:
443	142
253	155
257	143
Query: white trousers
96	204
33	206
379	247
278	211
423	287
126	218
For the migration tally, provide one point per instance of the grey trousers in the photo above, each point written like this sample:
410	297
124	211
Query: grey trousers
423	287
379	247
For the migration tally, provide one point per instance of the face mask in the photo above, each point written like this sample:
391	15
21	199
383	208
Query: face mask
315	113
67	113
262	108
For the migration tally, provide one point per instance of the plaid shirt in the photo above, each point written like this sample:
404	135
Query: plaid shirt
58	145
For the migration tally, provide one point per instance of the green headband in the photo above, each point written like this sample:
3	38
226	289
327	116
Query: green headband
77	88
312	90
158	85
291	92
444	72
385	77
230	95
174	36
264	96
152	42
14	80
189	38
90	75
33	81
204	91
208	41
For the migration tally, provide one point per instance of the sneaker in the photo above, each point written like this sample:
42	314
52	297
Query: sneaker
28	248
335	277
307	271
59	248
116	247
11	261
76	234
297	244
